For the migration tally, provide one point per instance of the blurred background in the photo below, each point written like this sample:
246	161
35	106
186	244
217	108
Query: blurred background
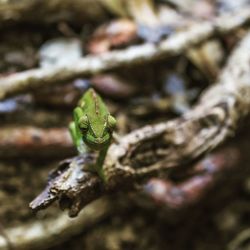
203	209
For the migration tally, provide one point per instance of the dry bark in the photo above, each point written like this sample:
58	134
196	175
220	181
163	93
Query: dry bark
144	152
34	79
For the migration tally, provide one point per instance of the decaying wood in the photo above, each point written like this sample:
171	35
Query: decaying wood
50	11
35	142
144	152
34	79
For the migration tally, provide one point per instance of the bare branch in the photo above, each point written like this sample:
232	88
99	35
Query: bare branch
72	184
144	152
34	79
173	143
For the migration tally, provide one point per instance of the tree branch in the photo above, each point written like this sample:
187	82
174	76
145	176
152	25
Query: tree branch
142	153
36	78
215	118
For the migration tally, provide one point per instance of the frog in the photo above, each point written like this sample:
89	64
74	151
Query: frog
92	128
